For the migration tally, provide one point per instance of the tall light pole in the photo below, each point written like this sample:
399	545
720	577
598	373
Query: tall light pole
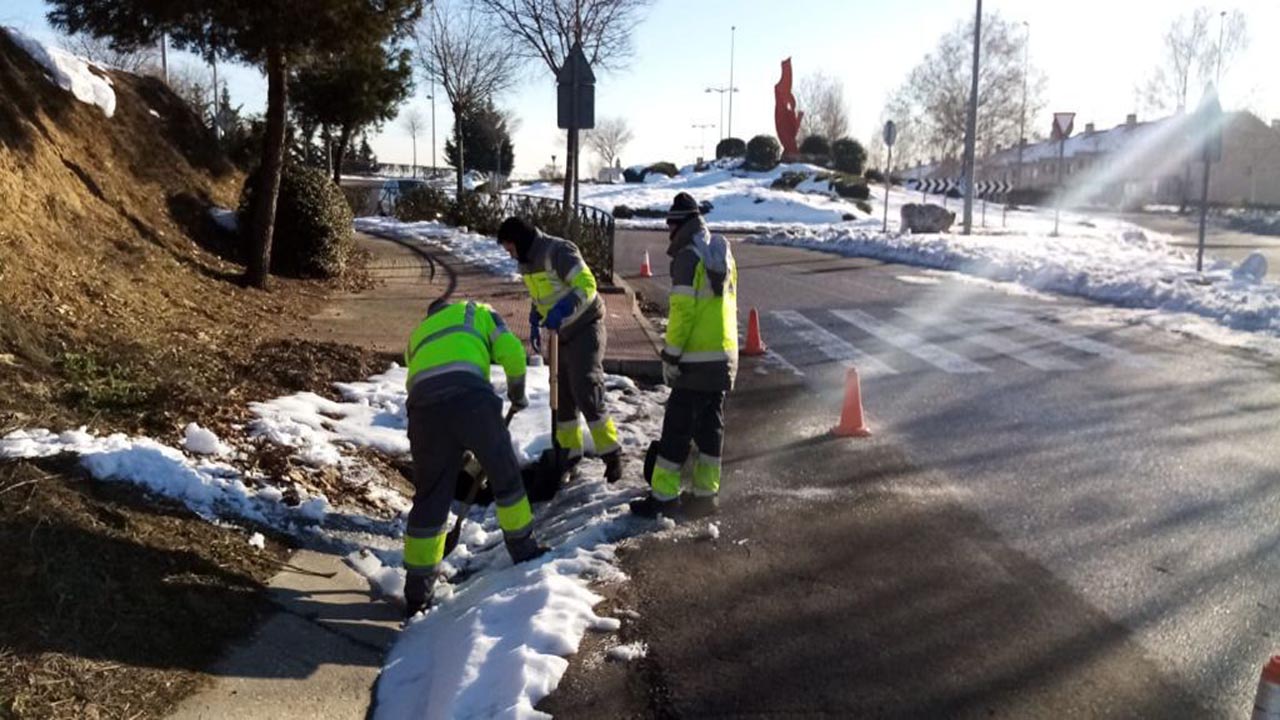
1222	26
702	147
971	125
1022	123
722	91
732	32
432	98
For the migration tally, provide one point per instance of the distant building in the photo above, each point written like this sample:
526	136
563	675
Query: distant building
1141	163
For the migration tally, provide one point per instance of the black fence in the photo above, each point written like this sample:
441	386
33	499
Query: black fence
590	228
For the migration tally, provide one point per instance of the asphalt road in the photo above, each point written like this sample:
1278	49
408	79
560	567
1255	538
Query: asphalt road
1056	517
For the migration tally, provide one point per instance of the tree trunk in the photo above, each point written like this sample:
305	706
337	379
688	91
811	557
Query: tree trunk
457	140
568	170
344	139
264	217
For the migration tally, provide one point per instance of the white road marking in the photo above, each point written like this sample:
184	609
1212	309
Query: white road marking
1062	337
833	346
1027	355
935	355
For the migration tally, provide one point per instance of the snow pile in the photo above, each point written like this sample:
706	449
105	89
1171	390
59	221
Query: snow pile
628	652
225	219
203	442
741	200
210	489
481	250
1111	263
74	74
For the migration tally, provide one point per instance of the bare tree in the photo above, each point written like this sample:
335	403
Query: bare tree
1192	52
822	99
467	56
608	138
936	93
547	30
139	61
413	121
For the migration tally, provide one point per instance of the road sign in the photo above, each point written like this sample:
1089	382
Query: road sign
1209	126
1063	124
890	133
576	92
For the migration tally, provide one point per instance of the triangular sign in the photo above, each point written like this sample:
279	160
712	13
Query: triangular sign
1062	125
577	59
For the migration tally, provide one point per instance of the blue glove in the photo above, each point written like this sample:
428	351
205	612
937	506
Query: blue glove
560	311
535	332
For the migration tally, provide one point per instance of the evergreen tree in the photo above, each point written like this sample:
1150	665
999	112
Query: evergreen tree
486	140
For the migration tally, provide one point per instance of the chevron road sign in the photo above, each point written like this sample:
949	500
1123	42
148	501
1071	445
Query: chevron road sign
935	185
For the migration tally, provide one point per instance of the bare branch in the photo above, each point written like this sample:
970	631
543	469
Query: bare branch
608	138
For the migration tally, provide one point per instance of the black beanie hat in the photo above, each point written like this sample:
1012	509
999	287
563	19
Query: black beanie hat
683	207
521	233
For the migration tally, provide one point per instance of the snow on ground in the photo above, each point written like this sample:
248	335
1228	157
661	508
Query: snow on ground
1107	261
74	74
496	640
741	200
629	652
480	250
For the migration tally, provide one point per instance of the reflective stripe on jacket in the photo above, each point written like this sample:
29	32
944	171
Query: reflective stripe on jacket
459	340
556	270
702	327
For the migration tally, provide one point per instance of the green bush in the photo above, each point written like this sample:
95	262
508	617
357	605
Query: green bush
763	153
863	205
422	202
816	145
633	175
848	156
730	147
623	212
874	176
666	168
476	211
314	236
789	180
851	187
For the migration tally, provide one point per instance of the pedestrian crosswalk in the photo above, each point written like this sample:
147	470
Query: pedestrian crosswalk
960	342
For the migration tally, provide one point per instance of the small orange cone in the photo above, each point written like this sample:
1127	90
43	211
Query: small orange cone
645	270
1266	705
852	423
755	346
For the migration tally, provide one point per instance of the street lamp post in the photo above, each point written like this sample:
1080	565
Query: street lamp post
1222	26
702	147
732	33
722	91
1022	123
971	126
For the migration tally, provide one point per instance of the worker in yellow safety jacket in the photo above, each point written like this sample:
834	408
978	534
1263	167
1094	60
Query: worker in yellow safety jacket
564	296
700	363
452	408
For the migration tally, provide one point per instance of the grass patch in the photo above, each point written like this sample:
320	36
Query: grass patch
111	601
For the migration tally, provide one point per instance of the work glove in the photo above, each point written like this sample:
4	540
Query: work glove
670	373
516	394
561	310
535	332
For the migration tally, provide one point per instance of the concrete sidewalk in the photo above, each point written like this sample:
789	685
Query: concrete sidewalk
382	317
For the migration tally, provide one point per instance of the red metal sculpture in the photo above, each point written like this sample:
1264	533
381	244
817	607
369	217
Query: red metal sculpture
785	116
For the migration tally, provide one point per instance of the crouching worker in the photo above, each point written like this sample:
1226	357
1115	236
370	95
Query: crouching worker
453	408
699	363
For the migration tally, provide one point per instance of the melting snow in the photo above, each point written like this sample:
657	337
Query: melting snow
74	74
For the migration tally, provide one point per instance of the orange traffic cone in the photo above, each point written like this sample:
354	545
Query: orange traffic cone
755	346
1266	705
645	270
852	423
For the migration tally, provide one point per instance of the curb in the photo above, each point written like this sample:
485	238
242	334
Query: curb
650	369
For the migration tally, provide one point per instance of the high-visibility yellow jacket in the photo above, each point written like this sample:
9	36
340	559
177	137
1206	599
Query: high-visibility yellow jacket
702	323
556	270
453	348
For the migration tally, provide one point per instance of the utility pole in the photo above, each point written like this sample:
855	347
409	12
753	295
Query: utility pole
732	32
217	115
971	126
1022	123
164	56
722	91
1222	26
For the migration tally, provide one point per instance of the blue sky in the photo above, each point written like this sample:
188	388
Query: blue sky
1093	52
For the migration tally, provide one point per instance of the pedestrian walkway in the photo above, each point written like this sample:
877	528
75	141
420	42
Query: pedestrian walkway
955	341
381	317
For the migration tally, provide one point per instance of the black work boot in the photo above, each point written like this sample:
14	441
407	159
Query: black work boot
651	507
525	548
417	594
700	506
612	466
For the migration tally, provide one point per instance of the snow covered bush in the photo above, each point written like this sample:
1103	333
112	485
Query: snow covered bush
666	168
314	235
730	147
763	153
851	187
816	149
789	180
848	156
873	175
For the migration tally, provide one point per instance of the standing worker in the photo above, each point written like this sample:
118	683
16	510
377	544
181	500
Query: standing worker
564	296
453	408
699	363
